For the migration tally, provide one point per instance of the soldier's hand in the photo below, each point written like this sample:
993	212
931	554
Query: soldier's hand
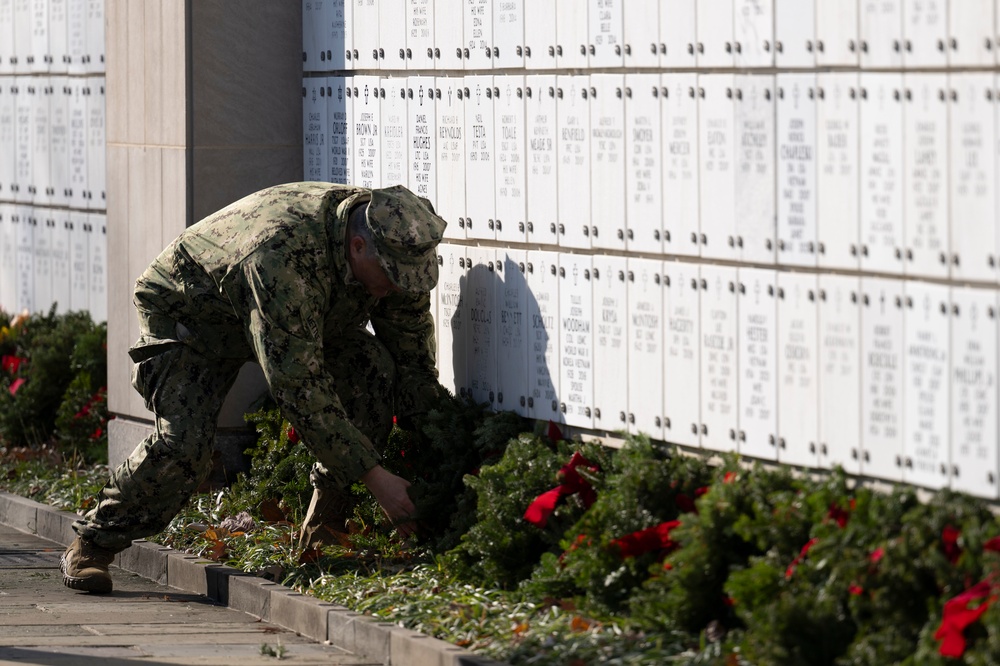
390	492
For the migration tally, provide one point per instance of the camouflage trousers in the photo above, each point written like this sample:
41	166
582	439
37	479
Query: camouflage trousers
185	389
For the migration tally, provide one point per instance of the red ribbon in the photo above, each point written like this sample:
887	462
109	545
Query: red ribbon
957	616
993	545
647	540
16	384
570	483
949	543
554	433
11	363
293	437
802	553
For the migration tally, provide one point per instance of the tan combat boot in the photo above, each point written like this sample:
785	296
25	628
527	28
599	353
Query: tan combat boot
84	566
326	520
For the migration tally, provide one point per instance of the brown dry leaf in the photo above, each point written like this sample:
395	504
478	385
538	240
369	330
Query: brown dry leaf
271	512
520	629
579	624
218	551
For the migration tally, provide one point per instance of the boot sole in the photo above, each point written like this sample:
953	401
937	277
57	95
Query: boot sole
92	584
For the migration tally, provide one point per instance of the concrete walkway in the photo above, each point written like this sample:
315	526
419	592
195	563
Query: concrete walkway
169	607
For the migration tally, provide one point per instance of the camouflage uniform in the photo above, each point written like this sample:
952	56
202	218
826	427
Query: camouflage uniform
268	279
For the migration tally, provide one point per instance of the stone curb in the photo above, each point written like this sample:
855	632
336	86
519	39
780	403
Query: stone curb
383	642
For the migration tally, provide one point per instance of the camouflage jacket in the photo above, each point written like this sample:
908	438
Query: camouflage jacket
267	278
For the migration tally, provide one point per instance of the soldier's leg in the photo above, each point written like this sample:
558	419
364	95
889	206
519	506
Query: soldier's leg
185	390
365	375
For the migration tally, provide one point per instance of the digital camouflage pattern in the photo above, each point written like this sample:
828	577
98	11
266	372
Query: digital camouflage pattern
267	279
406	250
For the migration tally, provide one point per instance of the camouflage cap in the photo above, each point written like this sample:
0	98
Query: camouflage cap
406	231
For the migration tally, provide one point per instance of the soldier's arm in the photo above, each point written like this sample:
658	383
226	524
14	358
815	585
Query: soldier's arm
403	323
282	306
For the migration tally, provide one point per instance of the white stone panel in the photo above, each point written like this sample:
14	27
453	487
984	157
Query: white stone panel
882	358
78	153
508	34
96	145
798	369
926	404
642	32
477	44
881	135
314	121
448	34
837	155
925	28
24	248
7	37
60	260
758	363
512	295
881	31
58	28
8	258
796	169
542	167
607	161
511	158
925	199
715	33
572	27
755	168
336	38
367	139
717	155
79	248
795	33
392	31
678	35
366	34
38	55
480	157
449	107
420	34
8	137
836	33
481	314
643	165
573	125
646	344
576	340
612	370
839	371
340	130
754	22
452	325
681	191
975	456
540	34
606	33
719	367
42	260
543	336
97	266
59	188
94	59
970	33
24	136
313	17
76	31
22	36
973	171
41	178
394	127
422	146
682	354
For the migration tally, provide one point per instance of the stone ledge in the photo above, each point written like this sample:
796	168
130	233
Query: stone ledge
383	642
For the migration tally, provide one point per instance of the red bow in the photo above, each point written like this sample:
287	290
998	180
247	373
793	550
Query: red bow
570	483
957	616
802	553
11	363
649	539
16	384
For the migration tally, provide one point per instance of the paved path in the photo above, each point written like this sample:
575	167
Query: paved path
43	622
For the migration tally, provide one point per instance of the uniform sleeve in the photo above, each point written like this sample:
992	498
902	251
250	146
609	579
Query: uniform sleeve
284	307
403	323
